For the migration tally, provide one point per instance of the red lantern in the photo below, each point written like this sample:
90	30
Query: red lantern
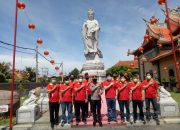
125	74
52	62
161	2
155	72
60	73
135	58
28	74
153	20
143	59
17	71
31	26
46	53
132	65
39	41
56	68
4	66
160	46
21	5
165	68
141	49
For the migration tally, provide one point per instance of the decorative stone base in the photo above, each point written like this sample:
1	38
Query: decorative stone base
43	102
169	107
94	67
28	114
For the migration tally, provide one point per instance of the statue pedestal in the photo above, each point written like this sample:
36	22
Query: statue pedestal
94	67
168	106
28	114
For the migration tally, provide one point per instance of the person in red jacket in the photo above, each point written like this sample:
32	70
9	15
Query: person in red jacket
137	99
123	98
87	82
80	100
151	90
66	101
110	94
53	91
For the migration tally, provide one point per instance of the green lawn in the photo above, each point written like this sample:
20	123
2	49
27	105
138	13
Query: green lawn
4	122
176	96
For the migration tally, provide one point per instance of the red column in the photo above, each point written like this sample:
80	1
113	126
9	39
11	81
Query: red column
13	65
172	43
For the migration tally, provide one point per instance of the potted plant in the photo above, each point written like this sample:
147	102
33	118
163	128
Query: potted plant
172	81
165	83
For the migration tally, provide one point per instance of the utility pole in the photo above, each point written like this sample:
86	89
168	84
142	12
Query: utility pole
36	63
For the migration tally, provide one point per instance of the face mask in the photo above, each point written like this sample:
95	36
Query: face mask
122	80
135	80
109	78
66	82
94	80
53	81
80	80
148	77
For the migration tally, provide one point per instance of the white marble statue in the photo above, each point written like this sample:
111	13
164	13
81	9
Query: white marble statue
90	31
31	100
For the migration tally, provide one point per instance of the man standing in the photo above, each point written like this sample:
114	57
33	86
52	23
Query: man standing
97	91
80	100
136	97
151	90
66	102
87	83
53	91
110	94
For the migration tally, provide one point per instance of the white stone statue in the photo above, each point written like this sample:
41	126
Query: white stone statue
90	31
31	100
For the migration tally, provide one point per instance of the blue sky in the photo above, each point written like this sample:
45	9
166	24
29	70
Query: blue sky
59	23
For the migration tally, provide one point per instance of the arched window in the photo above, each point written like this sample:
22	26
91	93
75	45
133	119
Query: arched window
171	73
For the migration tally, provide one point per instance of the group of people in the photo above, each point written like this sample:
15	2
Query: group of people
79	93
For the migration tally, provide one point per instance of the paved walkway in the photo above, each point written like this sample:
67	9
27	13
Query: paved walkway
43	123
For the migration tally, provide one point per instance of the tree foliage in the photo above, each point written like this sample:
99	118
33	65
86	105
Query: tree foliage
74	72
127	71
5	71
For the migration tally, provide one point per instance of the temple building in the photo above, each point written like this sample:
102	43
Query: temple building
155	53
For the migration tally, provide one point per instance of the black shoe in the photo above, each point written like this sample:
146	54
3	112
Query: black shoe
52	126
134	121
128	120
157	122
62	124
85	122
100	124
94	123
77	123
114	120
